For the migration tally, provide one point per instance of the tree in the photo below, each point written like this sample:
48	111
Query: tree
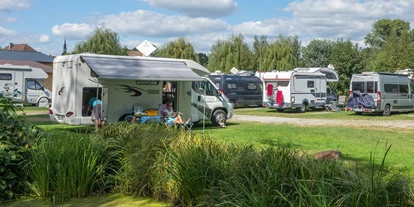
318	53
384	29
203	58
347	59
233	52
179	48
101	41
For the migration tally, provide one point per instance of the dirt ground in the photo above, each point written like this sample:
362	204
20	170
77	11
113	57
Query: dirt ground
401	124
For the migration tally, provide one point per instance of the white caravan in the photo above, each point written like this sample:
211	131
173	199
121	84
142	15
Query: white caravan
123	81
298	88
392	92
21	84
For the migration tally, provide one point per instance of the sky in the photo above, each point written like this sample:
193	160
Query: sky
44	24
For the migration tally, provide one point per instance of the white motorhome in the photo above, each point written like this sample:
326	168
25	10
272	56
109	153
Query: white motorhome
391	92
298	88
123	81
21	84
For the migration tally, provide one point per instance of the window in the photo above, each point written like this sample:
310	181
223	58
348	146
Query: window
209	88
231	85
358	86
34	85
391	88
217	84
5	76
403	89
251	86
283	83
311	84
371	87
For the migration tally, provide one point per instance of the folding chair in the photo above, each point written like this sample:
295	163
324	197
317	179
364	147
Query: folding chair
341	101
328	108
333	106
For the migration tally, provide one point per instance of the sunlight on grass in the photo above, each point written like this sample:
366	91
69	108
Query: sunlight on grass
113	200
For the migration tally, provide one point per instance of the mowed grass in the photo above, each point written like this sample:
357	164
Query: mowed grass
321	114
356	144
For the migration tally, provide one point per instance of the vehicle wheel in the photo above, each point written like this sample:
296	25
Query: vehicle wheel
233	103
387	110
280	110
358	113
302	108
43	102
219	116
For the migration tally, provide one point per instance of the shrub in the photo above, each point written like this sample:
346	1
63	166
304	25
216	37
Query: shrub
16	137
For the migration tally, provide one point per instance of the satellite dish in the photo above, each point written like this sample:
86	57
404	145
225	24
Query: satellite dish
331	66
234	70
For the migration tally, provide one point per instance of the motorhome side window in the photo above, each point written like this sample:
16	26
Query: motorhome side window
251	86
391	88
311	84
5	76
403	89
34	85
231	86
283	83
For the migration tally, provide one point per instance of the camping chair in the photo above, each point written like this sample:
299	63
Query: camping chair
332	107
341	101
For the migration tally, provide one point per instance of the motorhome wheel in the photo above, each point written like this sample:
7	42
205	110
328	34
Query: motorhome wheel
302	108
219	116
43	102
387	110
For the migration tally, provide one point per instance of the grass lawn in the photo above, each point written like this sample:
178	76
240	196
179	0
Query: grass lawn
321	114
113	200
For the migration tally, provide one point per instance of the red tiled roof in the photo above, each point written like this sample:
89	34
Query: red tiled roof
20	47
34	64
134	53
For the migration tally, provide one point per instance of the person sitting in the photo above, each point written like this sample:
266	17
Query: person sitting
97	115
173	117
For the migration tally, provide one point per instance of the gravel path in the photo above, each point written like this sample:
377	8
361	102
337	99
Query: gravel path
402	124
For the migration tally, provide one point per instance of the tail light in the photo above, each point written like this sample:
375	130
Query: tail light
50	111
379	96
350	93
222	91
269	90
69	114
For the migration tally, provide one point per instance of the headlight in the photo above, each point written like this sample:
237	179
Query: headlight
292	99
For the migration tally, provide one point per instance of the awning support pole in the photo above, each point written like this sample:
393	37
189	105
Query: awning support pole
204	110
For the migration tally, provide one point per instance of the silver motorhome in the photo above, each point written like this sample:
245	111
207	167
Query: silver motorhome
391	92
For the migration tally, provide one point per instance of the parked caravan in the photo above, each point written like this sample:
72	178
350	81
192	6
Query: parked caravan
298	88
124	82
241	90
391	92
21	84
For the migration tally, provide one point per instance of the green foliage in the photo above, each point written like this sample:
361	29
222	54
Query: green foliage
282	54
233	52
203	59
318	53
101	41
67	165
384	29
16	137
180	48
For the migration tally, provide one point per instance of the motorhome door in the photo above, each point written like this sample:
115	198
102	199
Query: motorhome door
7	83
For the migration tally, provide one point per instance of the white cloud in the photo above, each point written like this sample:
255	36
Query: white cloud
151	24
72	31
14	4
197	8
4	19
44	38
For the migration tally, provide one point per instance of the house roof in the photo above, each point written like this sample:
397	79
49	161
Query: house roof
19	47
34	64
24	55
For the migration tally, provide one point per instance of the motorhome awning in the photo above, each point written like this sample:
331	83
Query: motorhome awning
139	69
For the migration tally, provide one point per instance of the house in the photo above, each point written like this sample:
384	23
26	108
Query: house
18	54
134	53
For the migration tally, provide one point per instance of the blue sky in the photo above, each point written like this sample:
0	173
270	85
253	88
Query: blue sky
44	24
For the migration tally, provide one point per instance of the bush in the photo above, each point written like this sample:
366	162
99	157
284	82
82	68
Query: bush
16	138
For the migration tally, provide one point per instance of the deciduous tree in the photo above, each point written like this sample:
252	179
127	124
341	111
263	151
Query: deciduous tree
179	48
101	41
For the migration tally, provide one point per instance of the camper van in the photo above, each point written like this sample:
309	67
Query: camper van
123	82
391	92
298	88
21	84
240	89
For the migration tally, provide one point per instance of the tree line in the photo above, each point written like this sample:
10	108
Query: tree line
389	47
